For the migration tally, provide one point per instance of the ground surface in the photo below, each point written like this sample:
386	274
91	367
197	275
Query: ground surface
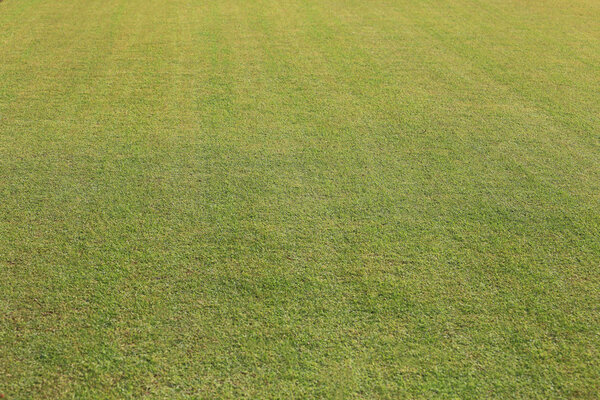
310	198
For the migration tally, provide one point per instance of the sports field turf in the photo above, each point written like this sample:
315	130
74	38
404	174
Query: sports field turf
299	199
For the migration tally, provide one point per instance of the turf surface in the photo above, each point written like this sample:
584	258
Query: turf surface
299	198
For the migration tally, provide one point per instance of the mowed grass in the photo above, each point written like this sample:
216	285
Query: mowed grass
300	199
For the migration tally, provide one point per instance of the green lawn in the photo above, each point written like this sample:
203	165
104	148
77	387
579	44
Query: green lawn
300	199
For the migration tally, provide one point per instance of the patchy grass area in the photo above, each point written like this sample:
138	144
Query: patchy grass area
299	198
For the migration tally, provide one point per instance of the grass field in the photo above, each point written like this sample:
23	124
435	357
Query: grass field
300	199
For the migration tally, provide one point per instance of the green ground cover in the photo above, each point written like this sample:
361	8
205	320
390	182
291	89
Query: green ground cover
299	199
